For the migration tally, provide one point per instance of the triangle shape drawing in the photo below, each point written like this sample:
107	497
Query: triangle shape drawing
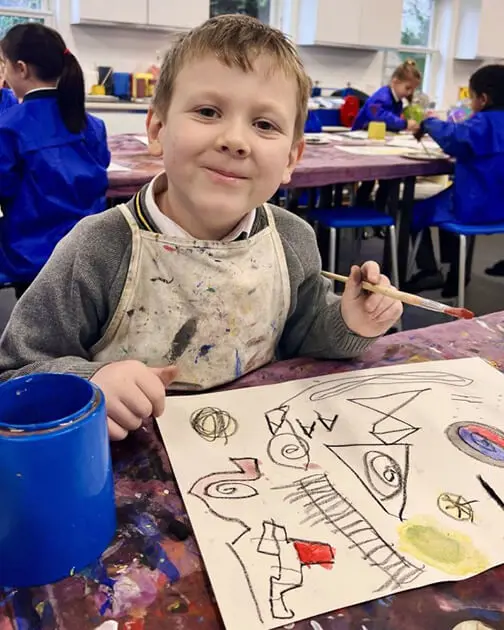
395	436
327	423
382	469
275	418
390	428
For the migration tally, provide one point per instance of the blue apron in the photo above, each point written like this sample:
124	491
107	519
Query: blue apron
477	194
50	179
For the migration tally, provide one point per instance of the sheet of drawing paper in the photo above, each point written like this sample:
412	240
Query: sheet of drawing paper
374	150
312	495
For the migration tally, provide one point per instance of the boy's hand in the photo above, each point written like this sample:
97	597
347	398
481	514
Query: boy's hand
368	314
133	392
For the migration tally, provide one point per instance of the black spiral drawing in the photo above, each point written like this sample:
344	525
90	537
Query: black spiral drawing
213	424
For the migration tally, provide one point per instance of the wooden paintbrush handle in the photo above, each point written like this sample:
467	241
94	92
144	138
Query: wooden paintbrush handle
407	298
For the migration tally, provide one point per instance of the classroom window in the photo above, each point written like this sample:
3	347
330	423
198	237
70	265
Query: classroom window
256	8
417	21
14	12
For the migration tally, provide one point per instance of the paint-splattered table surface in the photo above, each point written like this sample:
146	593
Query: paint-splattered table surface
148	581
321	165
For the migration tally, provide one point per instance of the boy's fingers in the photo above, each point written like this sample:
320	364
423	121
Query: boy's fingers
165	377
115	432
165	374
353	286
371	272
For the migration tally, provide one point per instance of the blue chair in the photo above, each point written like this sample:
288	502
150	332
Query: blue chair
354	217
5	281
463	232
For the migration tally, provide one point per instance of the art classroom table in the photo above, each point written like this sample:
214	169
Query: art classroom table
322	165
130	584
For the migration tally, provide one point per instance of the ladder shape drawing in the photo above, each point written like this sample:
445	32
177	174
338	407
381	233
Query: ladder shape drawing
322	503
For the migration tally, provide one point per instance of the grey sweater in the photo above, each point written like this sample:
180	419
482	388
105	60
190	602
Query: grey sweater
68	308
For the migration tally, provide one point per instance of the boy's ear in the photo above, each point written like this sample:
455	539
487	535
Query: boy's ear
154	125
295	155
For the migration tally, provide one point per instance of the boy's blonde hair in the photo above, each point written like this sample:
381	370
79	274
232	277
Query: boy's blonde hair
235	40
408	71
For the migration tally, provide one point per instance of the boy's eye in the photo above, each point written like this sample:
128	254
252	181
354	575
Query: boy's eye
265	125
207	112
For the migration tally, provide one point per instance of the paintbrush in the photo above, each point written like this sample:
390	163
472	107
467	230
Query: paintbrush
407	298
425	147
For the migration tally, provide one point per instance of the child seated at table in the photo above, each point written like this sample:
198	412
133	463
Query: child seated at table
7	98
477	194
386	105
197	271
53	156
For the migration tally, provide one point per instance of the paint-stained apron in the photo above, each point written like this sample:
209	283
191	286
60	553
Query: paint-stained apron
216	310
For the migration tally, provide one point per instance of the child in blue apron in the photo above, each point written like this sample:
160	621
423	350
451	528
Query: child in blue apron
7	98
198	280
386	105
53	156
477	194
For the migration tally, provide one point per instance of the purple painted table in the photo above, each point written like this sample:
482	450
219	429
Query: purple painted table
321	165
134	581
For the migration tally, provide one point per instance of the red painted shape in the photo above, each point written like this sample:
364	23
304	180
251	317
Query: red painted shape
169	248
488	434
310	553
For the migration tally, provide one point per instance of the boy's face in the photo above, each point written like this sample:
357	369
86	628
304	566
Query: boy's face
227	143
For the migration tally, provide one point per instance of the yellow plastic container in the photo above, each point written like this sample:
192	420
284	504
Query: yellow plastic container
142	85
377	130
98	90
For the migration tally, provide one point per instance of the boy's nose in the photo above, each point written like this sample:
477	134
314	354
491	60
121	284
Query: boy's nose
233	141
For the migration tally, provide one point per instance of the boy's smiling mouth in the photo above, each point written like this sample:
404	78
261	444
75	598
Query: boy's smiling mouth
225	175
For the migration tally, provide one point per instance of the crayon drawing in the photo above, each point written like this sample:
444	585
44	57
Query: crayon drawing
322	493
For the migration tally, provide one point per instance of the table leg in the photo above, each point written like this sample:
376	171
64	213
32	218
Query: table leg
393	210
404	219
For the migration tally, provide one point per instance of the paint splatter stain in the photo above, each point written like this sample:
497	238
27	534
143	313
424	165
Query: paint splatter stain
182	339
169	248
163	280
211	290
178	607
203	351
238	365
449	551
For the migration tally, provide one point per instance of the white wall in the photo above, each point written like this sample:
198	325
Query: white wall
126	50
130	50
335	67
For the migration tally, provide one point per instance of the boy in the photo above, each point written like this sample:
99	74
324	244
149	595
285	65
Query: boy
197	272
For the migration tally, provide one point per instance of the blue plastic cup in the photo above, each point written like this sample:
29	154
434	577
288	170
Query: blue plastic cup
57	506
